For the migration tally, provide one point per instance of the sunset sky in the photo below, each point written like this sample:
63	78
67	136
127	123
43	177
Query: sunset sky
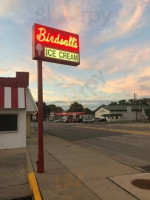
114	46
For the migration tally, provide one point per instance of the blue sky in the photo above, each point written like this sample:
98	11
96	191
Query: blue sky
114	47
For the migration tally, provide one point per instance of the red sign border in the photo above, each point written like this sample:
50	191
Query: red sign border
53	60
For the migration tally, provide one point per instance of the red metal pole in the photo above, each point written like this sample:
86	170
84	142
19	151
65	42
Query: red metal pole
40	162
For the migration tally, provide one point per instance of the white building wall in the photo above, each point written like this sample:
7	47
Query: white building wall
9	140
125	115
100	112
85	116
31	105
128	115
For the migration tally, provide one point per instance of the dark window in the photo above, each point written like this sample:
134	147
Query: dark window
8	122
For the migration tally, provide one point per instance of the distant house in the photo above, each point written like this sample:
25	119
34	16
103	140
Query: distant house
16	106
118	112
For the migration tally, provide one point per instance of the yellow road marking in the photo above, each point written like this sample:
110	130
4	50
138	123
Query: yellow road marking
115	130
34	186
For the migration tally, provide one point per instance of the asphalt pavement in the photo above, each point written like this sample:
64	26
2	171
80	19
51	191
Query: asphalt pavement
74	172
128	148
82	161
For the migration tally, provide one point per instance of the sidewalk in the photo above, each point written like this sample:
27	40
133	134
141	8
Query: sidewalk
73	172
13	174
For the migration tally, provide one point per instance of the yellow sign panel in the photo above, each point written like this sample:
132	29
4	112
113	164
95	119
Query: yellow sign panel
62	55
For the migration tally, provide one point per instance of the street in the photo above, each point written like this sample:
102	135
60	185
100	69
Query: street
131	149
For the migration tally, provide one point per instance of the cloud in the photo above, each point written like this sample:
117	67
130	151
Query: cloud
60	79
49	91
66	81
70	16
3	71
92	104
71	12
114	60
62	14
129	19
48	98
14	10
24	67
126	86
49	76
126	60
47	94
88	62
6	6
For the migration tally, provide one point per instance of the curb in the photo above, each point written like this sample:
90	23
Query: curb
32	178
34	186
29	166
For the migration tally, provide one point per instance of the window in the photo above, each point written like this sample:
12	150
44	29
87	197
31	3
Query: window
8	122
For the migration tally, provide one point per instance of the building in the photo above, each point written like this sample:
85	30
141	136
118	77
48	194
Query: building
16	106
119	113
69	116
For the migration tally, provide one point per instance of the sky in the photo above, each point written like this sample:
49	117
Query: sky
114	48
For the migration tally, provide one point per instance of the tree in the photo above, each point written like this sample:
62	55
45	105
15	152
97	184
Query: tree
131	102
145	101
113	103
50	108
122	102
45	109
87	110
59	109
75	107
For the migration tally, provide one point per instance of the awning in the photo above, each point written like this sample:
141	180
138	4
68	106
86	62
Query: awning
12	97
112	115
69	113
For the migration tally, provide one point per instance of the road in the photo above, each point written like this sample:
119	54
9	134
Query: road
131	149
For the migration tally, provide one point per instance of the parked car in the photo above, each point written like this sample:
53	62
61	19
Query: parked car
74	121
97	119
80	120
89	120
58	120
102	120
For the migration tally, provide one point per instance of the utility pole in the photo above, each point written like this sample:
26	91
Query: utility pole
140	111
135	106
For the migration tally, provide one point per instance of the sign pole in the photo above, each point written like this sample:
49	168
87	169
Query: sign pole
51	45
40	162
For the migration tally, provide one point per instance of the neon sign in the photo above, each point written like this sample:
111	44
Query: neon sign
47	37
53	45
